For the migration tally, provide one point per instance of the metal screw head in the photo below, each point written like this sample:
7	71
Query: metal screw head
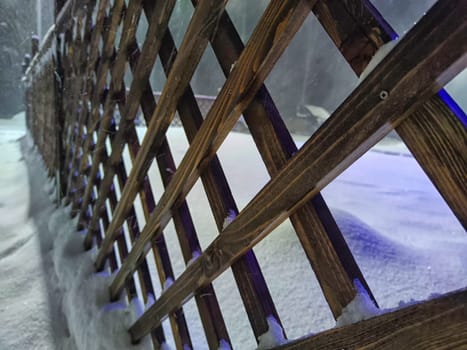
383	94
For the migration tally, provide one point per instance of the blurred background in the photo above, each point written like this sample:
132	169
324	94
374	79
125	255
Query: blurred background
309	82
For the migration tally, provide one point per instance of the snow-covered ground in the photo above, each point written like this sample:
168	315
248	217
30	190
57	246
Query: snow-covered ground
406	240
29	305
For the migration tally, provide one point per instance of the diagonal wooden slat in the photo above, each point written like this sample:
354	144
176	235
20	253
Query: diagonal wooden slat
447	134
201	27
104	124
440	323
322	241
255	295
179	325
132	15
206	300
275	30
247	274
356	28
423	65
437	139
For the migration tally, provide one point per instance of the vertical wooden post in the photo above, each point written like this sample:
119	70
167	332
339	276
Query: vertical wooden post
34	45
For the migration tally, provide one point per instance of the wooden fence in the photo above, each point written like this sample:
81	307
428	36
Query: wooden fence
76	85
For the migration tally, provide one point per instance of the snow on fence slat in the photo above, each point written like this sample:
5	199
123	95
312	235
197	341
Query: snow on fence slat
88	69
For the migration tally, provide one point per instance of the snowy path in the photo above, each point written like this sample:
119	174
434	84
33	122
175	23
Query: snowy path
29	303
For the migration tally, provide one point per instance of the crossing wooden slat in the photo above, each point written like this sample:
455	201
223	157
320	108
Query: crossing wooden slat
159	247
94	120
356	28
201	27
274	31
206	300
448	178
94	33
146	285
423	65
321	239
132	15
80	105
399	95
440	323
437	138
247	274
143	69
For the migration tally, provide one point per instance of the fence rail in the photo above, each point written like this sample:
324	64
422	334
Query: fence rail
81	111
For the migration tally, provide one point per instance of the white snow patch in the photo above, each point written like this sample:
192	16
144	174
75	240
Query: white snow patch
151	300
165	346
168	282
273	337
359	309
321	113
231	215
377	58
94	322
196	254
224	345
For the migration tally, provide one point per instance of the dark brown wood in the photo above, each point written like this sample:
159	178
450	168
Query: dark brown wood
399	94
206	300
68	12
201	27
94	121
276	28
423	65
132	15
247	274
440	323
319	234
95	33
356	28
438	139
337	19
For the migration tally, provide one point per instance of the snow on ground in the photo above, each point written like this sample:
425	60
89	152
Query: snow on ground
403	236
50	297
29	313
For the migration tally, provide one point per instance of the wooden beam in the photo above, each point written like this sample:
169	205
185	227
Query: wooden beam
94	121
437	139
356	28
250	281
344	21
322	241
71	9
132	15
428	56
201	27
206	300
276	28
440	323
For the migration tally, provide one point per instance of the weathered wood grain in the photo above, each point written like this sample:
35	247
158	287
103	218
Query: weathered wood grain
440	323
356	28
438	140
247	274
95	33
423	64
130	21
276	28
201	27
321	239
337	19
95	120
206	300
